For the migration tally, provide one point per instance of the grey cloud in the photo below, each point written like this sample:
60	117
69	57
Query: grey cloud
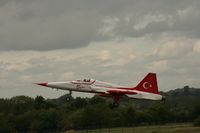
43	66
61	24
45	26
181	19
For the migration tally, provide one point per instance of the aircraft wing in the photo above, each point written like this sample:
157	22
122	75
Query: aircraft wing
120	92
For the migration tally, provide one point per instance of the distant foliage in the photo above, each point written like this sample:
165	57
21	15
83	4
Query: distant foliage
197	121
23	114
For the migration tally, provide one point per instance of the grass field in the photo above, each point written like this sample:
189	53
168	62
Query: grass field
170	128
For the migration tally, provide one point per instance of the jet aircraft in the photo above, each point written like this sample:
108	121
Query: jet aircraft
146	89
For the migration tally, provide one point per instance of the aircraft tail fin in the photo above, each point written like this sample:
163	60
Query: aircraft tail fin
148	84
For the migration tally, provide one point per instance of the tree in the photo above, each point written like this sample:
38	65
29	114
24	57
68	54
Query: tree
5	123
129	115
19	104
39	103
160	113
78	103
197	121
96	100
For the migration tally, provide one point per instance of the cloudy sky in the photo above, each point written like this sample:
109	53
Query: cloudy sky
116	41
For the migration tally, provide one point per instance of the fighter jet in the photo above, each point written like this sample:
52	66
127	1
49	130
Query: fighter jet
146	89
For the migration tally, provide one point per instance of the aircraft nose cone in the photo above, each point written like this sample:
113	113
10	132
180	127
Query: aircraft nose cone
42	84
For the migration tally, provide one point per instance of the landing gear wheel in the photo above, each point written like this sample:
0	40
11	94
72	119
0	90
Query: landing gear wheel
68	99
69	96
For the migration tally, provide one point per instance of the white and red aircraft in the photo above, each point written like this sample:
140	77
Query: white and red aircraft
146	89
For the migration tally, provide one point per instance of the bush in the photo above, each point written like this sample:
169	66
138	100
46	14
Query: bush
197	121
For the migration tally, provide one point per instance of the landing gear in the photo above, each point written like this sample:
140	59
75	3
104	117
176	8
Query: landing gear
70	93
68	99
163	98
115	103
69	96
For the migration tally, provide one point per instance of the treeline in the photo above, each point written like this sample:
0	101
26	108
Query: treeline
22	113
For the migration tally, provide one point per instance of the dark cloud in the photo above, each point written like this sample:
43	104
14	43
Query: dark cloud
61	24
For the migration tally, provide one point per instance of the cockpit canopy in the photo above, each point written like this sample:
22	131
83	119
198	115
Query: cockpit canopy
84	81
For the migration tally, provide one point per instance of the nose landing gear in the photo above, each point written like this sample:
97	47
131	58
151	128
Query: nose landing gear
69	96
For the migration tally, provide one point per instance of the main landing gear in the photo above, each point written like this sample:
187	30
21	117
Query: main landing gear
163	98
115	103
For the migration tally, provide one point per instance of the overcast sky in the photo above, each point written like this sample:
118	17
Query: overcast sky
117	41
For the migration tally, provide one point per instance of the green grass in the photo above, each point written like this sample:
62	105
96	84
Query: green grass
169	128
